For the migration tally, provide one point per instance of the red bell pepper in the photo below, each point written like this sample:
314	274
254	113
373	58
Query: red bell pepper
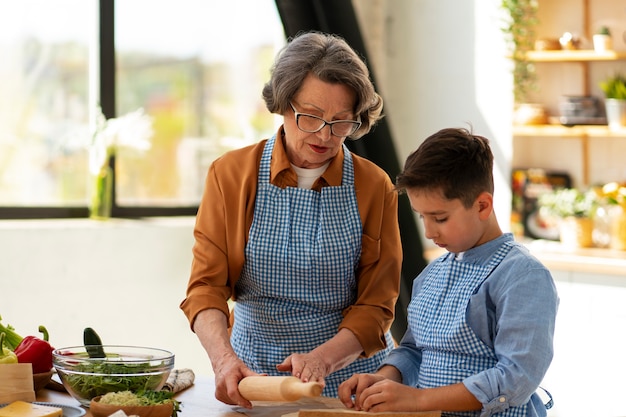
36	351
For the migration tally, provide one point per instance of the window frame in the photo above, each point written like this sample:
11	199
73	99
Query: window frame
107	98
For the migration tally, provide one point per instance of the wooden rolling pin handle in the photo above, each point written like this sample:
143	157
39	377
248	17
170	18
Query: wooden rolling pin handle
277	388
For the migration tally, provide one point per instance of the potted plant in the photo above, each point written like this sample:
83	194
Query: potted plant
610	218
602	40
519	28
574	210
614	88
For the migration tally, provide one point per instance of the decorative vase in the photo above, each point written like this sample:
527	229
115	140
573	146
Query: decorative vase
615	113
102	194
617	216
576	232
530	114
602	43
602	226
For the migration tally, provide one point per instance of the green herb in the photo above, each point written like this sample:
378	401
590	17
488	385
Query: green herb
12	339
569	202
614	87
112	377
6	354
519	28
161	397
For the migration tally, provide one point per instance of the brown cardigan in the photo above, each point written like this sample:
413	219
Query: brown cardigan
225	216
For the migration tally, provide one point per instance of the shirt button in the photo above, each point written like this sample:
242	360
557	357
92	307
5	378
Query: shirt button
502	399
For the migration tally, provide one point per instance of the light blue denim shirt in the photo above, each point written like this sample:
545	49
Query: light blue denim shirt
513	312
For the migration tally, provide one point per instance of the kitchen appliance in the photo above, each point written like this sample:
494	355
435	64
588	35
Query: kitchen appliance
581	110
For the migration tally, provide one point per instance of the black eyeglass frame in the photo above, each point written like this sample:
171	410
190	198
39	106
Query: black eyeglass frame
297	114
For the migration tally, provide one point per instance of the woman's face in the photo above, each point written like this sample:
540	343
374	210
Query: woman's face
328	101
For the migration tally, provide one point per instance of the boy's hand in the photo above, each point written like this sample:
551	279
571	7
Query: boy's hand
375	393
354	387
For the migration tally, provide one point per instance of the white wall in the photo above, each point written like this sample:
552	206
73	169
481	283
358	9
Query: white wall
443	64
124	278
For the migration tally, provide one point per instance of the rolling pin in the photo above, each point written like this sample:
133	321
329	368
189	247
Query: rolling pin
277	388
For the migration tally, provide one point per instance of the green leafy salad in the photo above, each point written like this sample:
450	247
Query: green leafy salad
89	380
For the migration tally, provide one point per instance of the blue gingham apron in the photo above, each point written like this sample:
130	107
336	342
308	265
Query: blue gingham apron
451	351
299	274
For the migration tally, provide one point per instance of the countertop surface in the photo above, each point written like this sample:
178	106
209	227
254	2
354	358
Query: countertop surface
558	257
199	401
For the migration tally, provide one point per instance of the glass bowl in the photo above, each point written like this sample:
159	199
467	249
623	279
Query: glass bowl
122	368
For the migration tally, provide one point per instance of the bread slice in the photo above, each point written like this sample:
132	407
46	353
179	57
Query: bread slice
26	409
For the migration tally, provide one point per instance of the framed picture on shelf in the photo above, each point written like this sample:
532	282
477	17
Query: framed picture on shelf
527	184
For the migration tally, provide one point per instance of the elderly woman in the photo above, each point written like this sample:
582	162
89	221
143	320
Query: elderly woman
300	233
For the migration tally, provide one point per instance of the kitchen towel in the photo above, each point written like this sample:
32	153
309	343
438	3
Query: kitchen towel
178	380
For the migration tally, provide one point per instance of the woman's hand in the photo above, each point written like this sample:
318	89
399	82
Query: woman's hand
212	330
229	370
336	353
309	367
376	393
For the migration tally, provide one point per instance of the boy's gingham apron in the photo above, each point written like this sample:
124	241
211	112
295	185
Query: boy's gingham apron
451	351
303	249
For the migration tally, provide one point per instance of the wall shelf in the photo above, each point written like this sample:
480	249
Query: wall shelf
557	257
589	154
578	131
579	55
584	135
577	76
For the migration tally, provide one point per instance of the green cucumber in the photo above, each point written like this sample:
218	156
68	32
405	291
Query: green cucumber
93	343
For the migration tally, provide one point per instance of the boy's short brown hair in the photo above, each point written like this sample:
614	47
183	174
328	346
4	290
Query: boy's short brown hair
454	161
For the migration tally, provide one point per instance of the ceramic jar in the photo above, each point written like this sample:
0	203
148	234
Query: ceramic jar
617	227
576	232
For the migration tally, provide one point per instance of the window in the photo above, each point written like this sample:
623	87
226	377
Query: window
44	83
195	67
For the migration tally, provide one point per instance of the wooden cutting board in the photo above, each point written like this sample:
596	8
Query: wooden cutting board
318	407
16	382
351	413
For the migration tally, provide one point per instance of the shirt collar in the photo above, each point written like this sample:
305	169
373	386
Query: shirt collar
281	167
483	253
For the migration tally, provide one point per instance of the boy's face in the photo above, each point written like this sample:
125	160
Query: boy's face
448	223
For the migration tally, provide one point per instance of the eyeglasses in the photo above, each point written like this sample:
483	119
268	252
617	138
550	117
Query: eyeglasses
311	124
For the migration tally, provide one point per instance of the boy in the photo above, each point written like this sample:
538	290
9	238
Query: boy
481	318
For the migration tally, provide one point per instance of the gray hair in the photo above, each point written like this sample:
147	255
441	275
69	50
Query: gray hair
331	59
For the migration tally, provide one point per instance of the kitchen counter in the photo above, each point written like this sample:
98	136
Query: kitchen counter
199	401
589	260
556	257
